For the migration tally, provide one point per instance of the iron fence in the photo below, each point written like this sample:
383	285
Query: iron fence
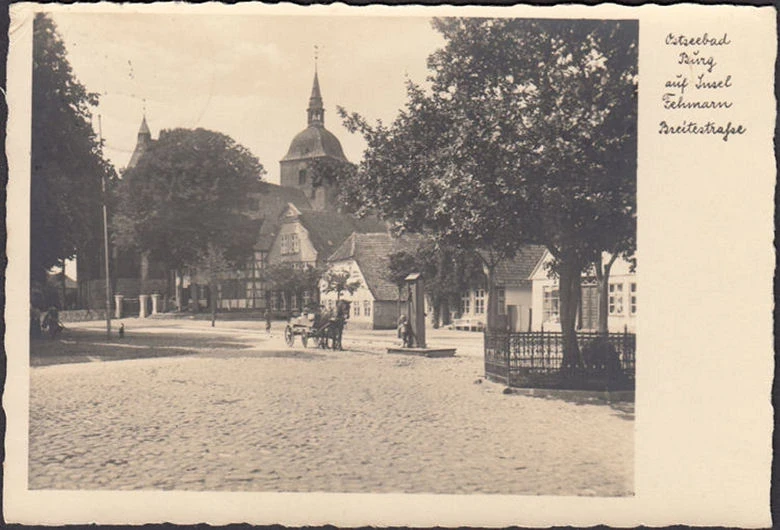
535	359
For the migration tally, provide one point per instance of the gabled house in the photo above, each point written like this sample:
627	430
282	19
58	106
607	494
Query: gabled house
245	289
366	256
621	304
306	238
512	278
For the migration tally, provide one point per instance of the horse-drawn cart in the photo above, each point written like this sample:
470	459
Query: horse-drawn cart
324	330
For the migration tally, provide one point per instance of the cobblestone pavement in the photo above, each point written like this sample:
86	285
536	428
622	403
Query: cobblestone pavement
268	418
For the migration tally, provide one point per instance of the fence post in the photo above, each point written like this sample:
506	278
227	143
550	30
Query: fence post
508	344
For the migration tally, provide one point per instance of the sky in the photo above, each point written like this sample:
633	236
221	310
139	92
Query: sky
248	76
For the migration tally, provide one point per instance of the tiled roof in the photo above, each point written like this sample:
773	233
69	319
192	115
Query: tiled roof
517	271
328	229
271	202
372	254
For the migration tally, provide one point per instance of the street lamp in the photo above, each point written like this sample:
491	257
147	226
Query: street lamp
105	236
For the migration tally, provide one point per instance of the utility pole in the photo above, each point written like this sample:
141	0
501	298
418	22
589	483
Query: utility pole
105	237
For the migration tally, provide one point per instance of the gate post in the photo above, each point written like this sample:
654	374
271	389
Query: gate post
142	298
118	305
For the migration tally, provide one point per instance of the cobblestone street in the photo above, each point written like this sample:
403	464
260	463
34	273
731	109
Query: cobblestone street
252	414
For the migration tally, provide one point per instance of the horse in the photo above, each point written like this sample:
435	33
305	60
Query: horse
336	325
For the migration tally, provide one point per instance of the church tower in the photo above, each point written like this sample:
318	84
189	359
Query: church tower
314	142
143	143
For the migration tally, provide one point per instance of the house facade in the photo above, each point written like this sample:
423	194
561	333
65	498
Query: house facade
305	240
621	307
513	288
377	303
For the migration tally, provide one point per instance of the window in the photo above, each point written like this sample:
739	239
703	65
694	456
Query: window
367	308
550	303
465	303
301	177
294	301
479	302
356	309
290	244
501	299
633	298
615	298
306	299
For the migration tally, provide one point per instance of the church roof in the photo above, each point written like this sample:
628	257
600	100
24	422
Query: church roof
142	145
144	127
372	253
315	100
314	141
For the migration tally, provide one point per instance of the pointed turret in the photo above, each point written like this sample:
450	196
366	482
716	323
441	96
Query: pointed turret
316	110
143	143
144	130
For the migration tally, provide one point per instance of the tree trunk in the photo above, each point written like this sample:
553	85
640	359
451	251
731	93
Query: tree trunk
436	303
63	289
445	312
170	285
569	276
602	275
213	301
179	290
491	323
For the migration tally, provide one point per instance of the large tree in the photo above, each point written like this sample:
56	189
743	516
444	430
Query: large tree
448	271
188	195
67	161
525	134
289	280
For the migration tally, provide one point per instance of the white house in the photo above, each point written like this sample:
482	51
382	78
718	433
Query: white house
366	256
513	290
622	294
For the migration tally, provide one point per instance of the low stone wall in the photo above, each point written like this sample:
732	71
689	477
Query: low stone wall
82	315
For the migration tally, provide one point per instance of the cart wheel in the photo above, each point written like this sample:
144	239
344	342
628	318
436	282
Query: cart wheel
289	338
304	339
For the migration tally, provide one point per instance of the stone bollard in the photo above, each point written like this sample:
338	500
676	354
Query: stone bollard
118	305
142	298
155	303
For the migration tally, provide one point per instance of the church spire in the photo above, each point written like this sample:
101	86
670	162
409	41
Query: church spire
316	111
142	145
144	130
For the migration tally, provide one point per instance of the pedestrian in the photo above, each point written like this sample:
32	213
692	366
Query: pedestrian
35	322
51	322
267	321
404	331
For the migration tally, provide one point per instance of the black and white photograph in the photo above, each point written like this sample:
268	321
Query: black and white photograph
329	253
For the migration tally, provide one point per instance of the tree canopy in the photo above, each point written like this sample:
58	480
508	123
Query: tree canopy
67	160
447	271
339	282
525	134
190	190
283	277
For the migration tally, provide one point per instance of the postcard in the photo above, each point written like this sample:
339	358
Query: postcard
390	266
